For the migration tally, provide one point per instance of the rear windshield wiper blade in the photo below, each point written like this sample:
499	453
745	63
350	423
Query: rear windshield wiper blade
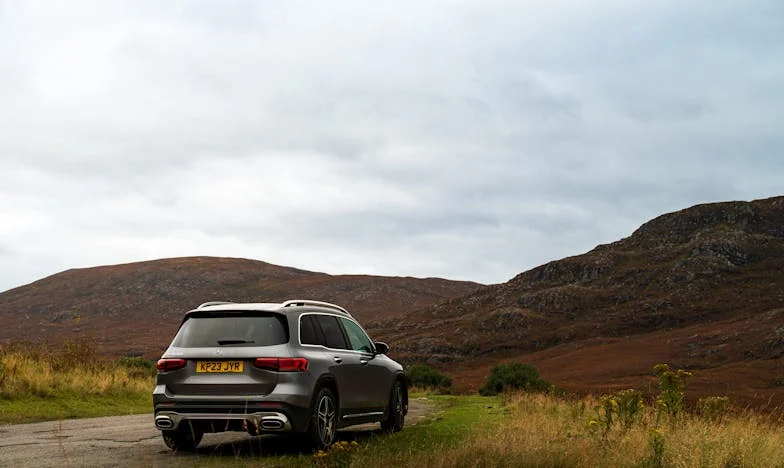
234	341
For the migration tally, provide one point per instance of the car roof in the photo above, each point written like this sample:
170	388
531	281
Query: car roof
290	305
262	306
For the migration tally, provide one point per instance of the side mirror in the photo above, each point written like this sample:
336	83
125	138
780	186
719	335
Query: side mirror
381	348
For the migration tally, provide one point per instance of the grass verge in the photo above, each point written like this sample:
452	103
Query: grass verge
38	383
523	430
454	422
457	420
67	405
514	430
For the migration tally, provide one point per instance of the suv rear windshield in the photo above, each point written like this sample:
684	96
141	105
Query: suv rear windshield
233	329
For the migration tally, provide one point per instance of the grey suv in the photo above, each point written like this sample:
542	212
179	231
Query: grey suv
301	367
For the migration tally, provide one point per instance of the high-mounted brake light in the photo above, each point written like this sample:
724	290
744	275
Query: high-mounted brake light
283	364
170	364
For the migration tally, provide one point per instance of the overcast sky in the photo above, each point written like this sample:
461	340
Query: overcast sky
468	140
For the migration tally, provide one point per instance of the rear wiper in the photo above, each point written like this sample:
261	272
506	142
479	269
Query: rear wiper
234	341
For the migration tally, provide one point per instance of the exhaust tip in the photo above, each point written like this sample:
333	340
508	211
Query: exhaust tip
272	424
164	422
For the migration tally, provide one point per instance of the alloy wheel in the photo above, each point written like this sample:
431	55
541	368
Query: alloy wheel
326	420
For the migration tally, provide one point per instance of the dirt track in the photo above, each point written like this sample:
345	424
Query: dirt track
134	441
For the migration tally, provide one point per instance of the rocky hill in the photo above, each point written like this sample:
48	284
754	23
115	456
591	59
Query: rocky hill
702	288
135	308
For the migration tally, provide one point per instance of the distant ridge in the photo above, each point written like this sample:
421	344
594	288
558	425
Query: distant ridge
135	308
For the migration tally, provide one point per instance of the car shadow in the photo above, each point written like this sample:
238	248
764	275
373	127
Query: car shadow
240	445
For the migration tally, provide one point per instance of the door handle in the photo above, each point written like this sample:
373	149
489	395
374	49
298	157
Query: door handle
338	359
363	361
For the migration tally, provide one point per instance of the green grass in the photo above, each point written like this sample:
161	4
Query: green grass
456	419
67	405
454	422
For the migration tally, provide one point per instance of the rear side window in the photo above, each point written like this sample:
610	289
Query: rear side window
310	332
203	331
333	334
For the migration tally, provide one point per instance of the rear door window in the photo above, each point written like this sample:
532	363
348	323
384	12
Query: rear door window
333	334
204	331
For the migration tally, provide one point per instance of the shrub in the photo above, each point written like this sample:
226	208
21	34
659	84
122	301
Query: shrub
421	375
138	366
624	407
630	406
608	407
671	389
514	376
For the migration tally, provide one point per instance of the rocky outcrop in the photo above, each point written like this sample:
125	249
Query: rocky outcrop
706	263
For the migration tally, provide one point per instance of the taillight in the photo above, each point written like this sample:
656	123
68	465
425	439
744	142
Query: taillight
284	364
170	364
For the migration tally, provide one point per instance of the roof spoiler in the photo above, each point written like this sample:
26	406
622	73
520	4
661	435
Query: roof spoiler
213	303
308	302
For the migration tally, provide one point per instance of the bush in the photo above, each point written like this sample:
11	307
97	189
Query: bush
672	384
630	407
624	407
138	366
421	375
514	376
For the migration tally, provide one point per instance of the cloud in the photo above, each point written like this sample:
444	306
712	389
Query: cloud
471	140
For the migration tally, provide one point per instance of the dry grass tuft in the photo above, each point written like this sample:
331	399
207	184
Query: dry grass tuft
27	370
543	430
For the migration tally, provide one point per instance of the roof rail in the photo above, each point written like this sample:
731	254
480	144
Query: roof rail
304	302
213	303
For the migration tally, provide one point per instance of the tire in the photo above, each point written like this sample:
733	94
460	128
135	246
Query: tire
323	427
397	416
185	438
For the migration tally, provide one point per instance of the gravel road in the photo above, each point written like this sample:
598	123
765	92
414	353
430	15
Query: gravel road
134	441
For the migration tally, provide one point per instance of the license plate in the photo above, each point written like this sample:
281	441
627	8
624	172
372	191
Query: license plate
219	366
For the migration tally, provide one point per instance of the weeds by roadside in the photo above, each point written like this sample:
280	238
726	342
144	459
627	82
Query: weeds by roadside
74	367
543	430
39	382
510	430
338	456
617	430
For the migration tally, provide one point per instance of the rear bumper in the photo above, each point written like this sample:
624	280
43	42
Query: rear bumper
286	418
254	423
270	413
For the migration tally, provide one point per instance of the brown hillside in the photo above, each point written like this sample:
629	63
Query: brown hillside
701	288
135	308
